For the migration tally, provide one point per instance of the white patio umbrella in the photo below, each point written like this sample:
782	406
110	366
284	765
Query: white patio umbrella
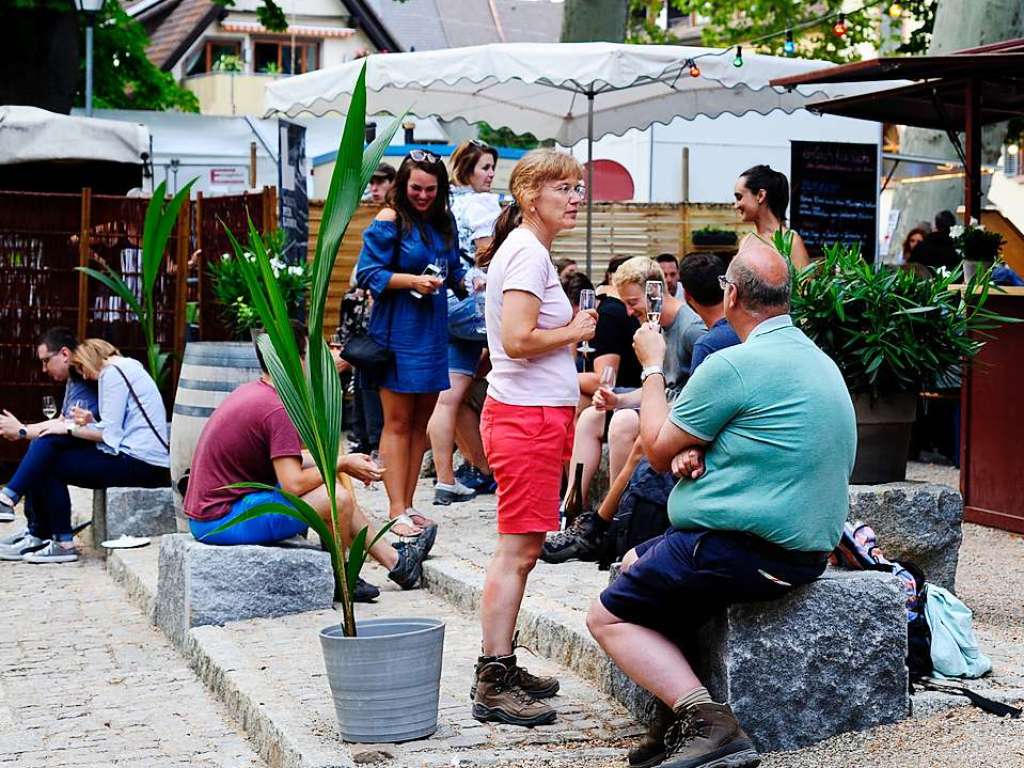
561	91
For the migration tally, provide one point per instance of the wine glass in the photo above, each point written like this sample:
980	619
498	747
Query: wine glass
608	374
655	295
49	406
588	300
76	406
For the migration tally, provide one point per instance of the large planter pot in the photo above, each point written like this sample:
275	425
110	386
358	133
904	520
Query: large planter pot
210	371
884	425
386	681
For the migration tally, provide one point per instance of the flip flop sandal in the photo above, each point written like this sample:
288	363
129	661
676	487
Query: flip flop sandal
426	535
408	522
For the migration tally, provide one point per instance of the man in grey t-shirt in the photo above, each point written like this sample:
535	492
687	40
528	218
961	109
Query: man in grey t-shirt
682	328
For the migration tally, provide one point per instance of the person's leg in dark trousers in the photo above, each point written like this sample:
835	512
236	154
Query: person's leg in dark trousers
38	462
92	468
360	436
373	411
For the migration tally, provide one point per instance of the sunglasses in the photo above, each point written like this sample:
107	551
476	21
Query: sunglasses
422	156
724	281
479	144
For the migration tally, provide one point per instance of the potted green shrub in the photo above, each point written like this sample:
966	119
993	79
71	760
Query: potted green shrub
714	236
384	673
233	294
892	333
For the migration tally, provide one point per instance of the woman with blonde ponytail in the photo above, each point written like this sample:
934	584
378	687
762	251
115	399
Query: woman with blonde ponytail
527	420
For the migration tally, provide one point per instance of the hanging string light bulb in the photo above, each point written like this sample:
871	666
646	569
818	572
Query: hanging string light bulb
789	47
694	69
839	28
738	60
896	11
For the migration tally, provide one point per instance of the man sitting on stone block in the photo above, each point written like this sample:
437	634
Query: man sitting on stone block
763	438
251	438
54	349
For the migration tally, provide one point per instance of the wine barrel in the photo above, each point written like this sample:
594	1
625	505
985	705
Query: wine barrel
210	371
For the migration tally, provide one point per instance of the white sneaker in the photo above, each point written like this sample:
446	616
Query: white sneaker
23	546
14	538
52	553
6	509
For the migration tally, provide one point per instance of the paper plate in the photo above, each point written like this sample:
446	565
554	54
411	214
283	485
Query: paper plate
126	542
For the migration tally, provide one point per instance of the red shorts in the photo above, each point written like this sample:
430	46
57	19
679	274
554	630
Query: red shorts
526	446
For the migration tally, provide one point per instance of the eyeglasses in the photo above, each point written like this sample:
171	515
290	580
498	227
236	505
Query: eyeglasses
580	190
724	281
422	156
46	360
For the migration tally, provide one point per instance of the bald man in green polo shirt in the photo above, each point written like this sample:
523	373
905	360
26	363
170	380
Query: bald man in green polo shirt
763	438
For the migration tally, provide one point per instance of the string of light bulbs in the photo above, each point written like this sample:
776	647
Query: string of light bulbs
839	28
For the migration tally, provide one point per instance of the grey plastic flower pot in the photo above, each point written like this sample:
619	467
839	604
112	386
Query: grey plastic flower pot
386	681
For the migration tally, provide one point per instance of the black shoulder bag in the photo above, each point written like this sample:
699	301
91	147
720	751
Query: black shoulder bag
145	415
366	355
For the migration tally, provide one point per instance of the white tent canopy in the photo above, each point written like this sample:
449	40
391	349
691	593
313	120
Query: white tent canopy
29	134
543	88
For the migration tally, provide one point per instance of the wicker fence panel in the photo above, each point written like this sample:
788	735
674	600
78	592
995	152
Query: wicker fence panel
213	214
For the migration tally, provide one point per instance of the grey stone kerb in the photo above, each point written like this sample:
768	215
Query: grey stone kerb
919	522
202	584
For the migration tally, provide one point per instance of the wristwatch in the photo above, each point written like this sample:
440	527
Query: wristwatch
72	428
22	433
650	370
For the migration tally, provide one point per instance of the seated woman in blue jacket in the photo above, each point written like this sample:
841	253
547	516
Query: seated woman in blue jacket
410	252
127	448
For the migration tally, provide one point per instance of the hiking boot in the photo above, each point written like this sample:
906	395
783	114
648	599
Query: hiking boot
537	687
582	540
708	736
53	552
408	572
445	494
24	545
651	749
499	697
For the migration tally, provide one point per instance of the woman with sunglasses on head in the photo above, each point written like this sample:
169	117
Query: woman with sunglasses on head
410	252
527	418
475	209
762	197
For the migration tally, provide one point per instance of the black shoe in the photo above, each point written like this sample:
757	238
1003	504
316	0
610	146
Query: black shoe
365	592
582	540
708	736
409	571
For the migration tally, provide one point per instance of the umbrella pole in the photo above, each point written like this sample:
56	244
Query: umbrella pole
590	176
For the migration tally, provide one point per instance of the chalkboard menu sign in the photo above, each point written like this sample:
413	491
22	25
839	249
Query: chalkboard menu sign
834	194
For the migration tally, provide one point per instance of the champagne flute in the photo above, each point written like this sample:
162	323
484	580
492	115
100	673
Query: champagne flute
49	406
588	300
655	295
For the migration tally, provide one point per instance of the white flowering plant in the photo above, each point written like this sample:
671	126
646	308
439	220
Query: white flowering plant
975	243
232	292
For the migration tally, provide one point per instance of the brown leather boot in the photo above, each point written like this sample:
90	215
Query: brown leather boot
651	749
499	697
538	687
708	736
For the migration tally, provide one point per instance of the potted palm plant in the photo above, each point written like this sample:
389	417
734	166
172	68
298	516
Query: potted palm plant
384	673
977	246
893	333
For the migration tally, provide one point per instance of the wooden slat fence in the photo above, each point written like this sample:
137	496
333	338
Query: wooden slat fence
628	229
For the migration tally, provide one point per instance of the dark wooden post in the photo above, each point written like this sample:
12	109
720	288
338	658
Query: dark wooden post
201	283
84	252
181	286
269	209
972	151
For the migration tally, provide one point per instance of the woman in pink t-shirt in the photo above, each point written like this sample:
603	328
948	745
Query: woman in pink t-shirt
527	420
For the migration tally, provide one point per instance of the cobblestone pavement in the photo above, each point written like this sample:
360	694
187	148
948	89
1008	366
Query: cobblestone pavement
86	681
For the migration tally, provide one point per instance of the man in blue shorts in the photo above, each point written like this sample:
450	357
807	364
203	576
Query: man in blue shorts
763	438
251	438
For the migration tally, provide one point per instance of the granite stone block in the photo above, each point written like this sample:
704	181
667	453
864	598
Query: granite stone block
132	512
200	584
919	522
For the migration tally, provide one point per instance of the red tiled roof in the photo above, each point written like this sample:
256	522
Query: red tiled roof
183	22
